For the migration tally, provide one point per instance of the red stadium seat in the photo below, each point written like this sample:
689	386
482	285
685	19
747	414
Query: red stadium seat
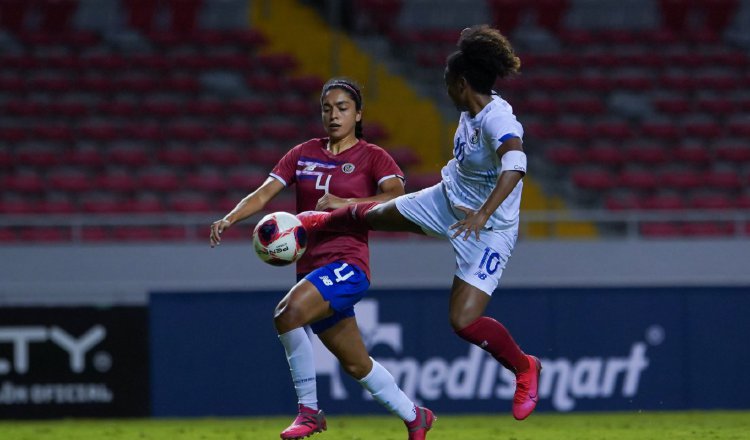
17	206
131	155
673	106
660	130
160	180
638	179
660	230
101	132
173	233
683	179
43	156
306	85
57	15
622	202
95	233
713	201
178	155
141	13
693	154
704	130
708	229
57	206
665	202
220	155
728	180
75	181
379	15
189	203
237	133
613	130
206	108
135	233
45	234
144	205
184	15
102	204
566	155
8	235
591	179
24	182
575	131
117	181
206	182
585	106
251	107
647	154
191	132
733	152
606	154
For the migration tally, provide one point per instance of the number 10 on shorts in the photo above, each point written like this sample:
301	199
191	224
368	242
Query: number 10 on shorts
490	261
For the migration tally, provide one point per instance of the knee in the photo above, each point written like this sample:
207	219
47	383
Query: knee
286	318
357	370
460	321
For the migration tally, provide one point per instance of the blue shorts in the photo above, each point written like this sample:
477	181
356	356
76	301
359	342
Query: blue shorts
341	284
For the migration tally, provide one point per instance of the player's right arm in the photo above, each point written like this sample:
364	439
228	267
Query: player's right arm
251	204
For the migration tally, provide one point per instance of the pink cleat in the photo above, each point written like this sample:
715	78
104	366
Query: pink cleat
312	220
307	423
527	389
419	427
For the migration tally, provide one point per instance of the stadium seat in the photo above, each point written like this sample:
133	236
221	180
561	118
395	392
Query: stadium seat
660	229
593	179
638	179
647	153
708	229
45	234
684	179
70	180
663	202
606	154
717	201
566	155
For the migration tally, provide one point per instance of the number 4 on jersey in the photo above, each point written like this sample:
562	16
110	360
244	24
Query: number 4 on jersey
324	186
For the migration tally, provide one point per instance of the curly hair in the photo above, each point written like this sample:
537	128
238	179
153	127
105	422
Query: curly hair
484	55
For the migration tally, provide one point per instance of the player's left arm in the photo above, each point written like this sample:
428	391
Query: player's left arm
514	168
390	188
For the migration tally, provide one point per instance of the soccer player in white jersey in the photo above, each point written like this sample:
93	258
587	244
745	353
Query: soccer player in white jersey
475	206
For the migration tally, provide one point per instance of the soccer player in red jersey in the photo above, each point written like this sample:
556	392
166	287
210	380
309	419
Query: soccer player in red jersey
479	196
333	274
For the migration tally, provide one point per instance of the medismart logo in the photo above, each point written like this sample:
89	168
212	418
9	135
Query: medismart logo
478	376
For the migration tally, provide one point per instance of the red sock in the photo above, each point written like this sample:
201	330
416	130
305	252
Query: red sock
349	218
494	338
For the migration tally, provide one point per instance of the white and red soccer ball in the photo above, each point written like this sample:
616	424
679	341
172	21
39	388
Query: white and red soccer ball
279	239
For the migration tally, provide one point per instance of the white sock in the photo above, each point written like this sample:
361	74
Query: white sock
381	384
299	354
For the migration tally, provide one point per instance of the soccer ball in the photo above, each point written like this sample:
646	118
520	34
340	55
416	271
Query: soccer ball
279	239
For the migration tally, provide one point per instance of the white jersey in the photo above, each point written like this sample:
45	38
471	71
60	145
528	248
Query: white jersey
472	173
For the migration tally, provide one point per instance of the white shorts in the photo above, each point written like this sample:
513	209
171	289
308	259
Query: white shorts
479	263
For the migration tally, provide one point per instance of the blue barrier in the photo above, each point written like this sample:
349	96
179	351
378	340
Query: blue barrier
602	349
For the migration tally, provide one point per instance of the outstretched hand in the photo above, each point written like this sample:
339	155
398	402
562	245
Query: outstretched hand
474	221
217	228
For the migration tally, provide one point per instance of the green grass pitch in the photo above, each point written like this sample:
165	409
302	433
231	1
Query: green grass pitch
704	425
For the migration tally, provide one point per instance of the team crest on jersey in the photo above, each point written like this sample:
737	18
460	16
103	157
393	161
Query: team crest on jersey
348	168
474	137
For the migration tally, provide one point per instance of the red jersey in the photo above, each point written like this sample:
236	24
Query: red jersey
354	173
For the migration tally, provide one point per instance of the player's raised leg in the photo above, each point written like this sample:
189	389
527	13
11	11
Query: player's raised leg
467	306
345	342
360	216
